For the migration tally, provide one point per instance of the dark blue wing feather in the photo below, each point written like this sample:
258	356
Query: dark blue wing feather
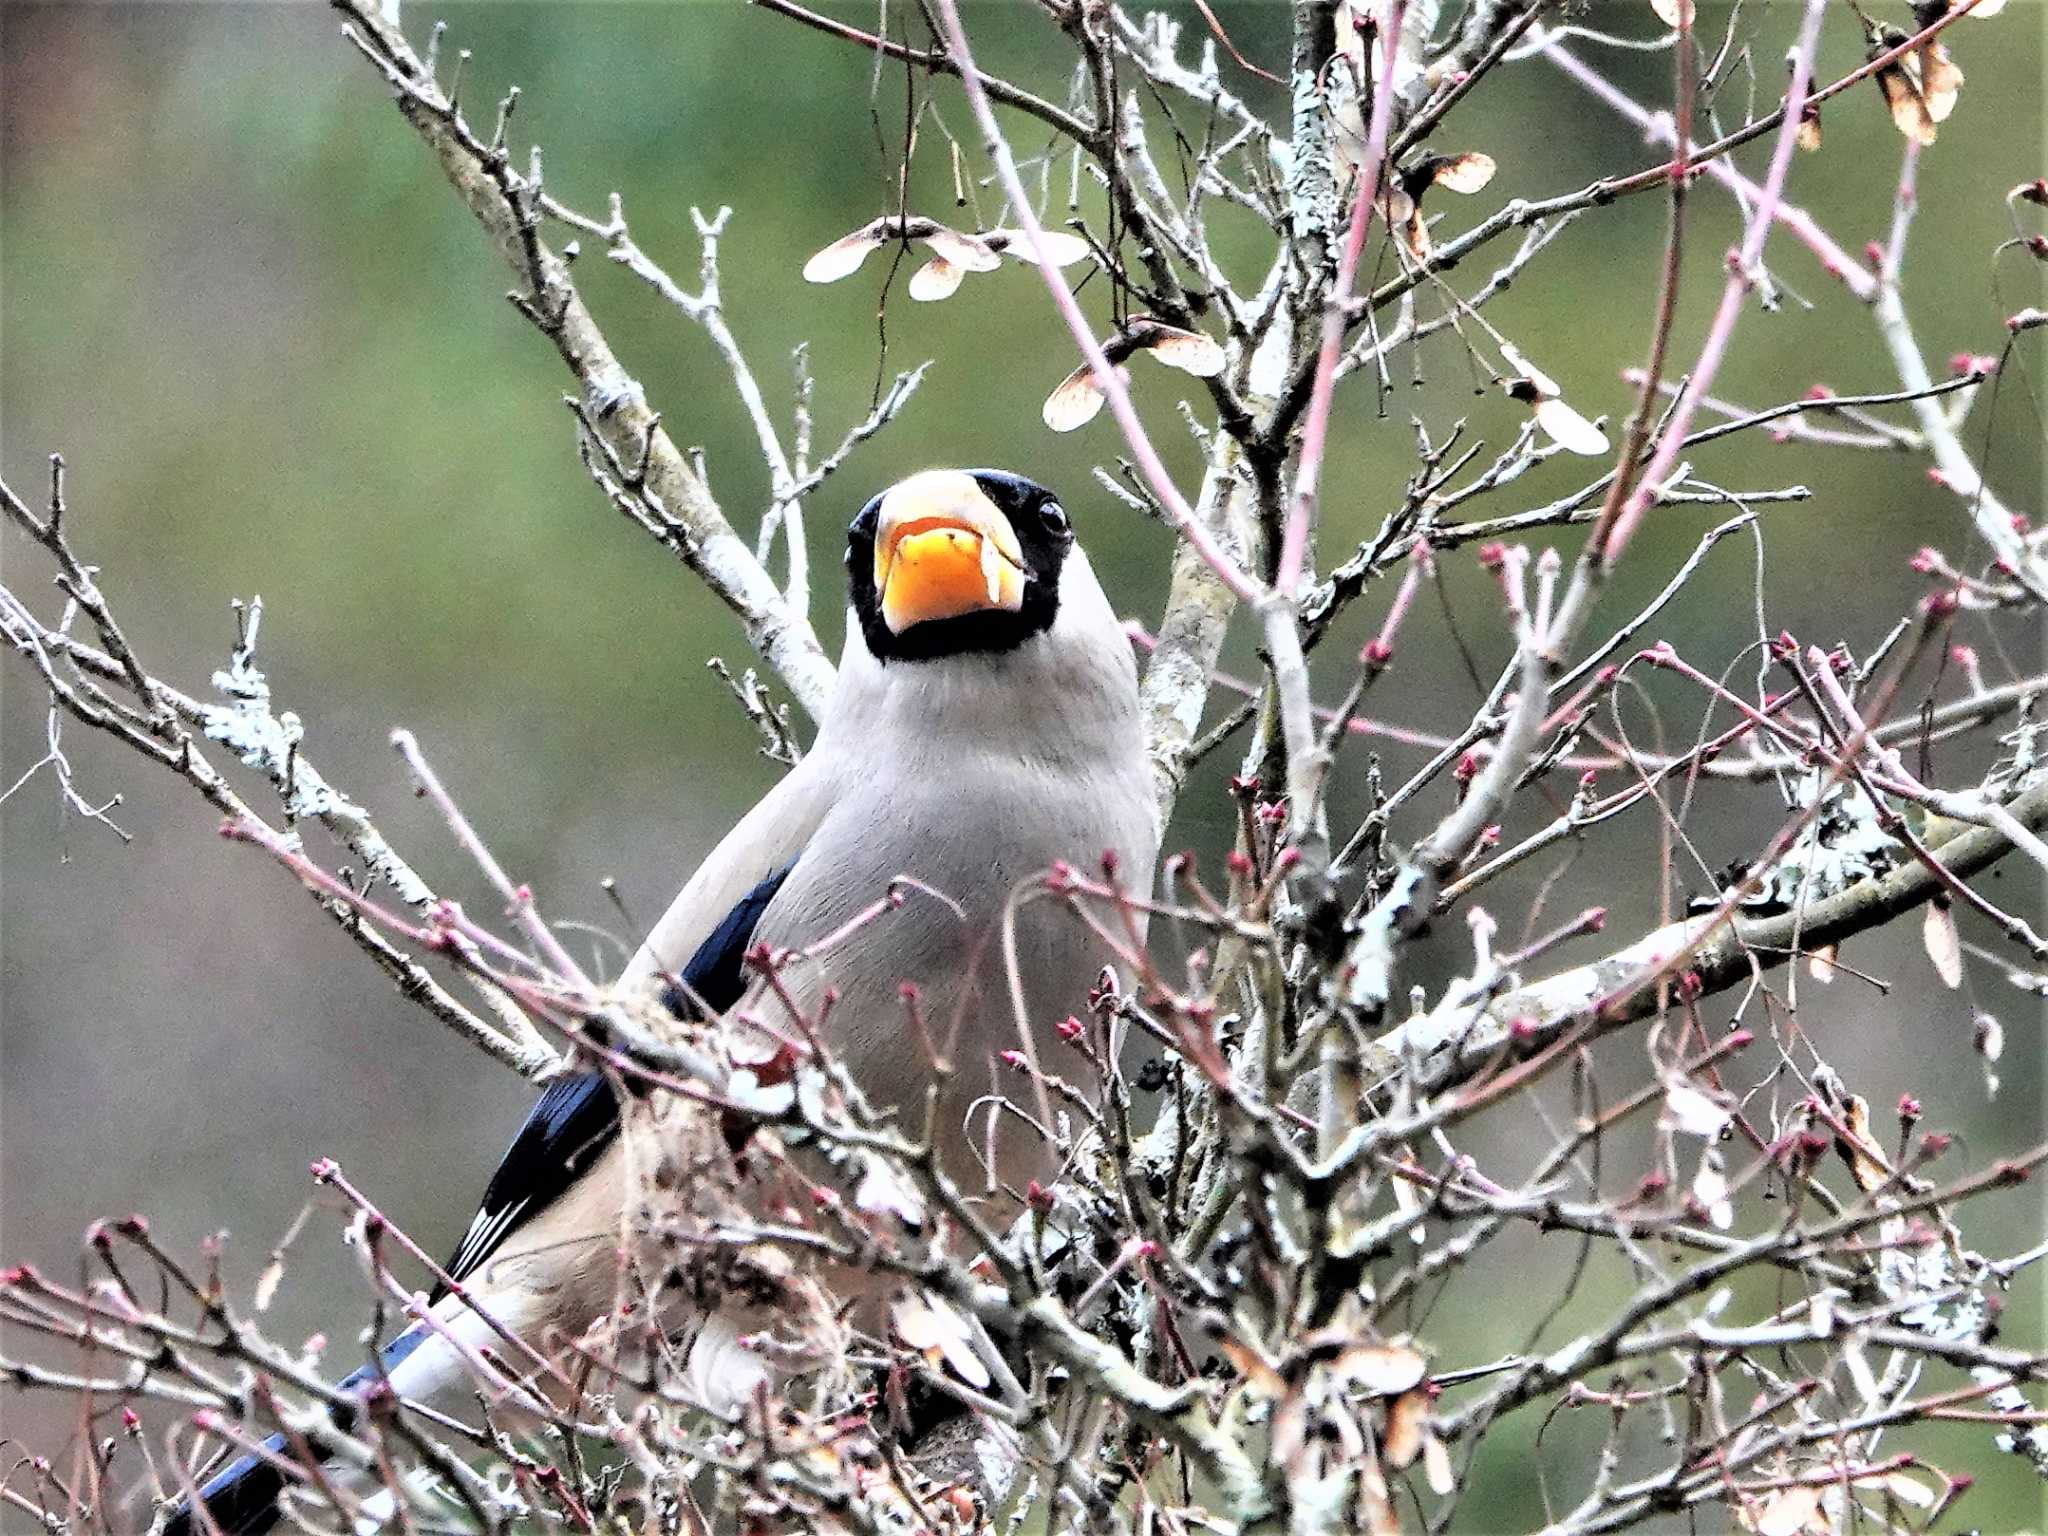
577	1116
241	1498
717	974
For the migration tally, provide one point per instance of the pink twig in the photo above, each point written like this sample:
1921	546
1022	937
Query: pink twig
1902	213
1107	379
249	829
1380	649
1336	317
518	899
1741	264
327	1171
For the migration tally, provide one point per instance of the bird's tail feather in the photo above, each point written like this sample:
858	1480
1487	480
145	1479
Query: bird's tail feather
242	1497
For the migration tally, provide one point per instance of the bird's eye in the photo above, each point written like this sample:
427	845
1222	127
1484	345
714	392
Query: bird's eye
1053	517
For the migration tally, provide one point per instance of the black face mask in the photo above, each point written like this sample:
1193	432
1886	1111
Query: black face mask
1043	537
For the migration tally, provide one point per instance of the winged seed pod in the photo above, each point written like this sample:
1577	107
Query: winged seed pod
1944	944
1382	1370
1401	203
929	1325
1807	135
1563	425
1919	88
940	277
1693	1111
1063	248
1077	398
1407	1422
1710	1189
949	247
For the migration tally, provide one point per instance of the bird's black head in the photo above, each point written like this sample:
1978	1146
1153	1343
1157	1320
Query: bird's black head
953	561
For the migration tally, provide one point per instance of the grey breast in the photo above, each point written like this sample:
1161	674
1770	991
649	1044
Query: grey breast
972	779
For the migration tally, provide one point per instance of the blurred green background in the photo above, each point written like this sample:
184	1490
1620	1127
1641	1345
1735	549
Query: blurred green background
235	292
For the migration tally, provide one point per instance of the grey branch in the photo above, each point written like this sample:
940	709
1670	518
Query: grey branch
508	205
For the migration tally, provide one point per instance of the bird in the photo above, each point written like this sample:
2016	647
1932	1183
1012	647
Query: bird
983	727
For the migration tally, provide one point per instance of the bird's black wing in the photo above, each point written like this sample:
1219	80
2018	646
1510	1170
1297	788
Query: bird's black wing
241	1498
577	1116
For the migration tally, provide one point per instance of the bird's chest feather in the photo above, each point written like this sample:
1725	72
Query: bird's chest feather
966	831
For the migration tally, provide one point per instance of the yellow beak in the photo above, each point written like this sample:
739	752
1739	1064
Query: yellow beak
943	549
